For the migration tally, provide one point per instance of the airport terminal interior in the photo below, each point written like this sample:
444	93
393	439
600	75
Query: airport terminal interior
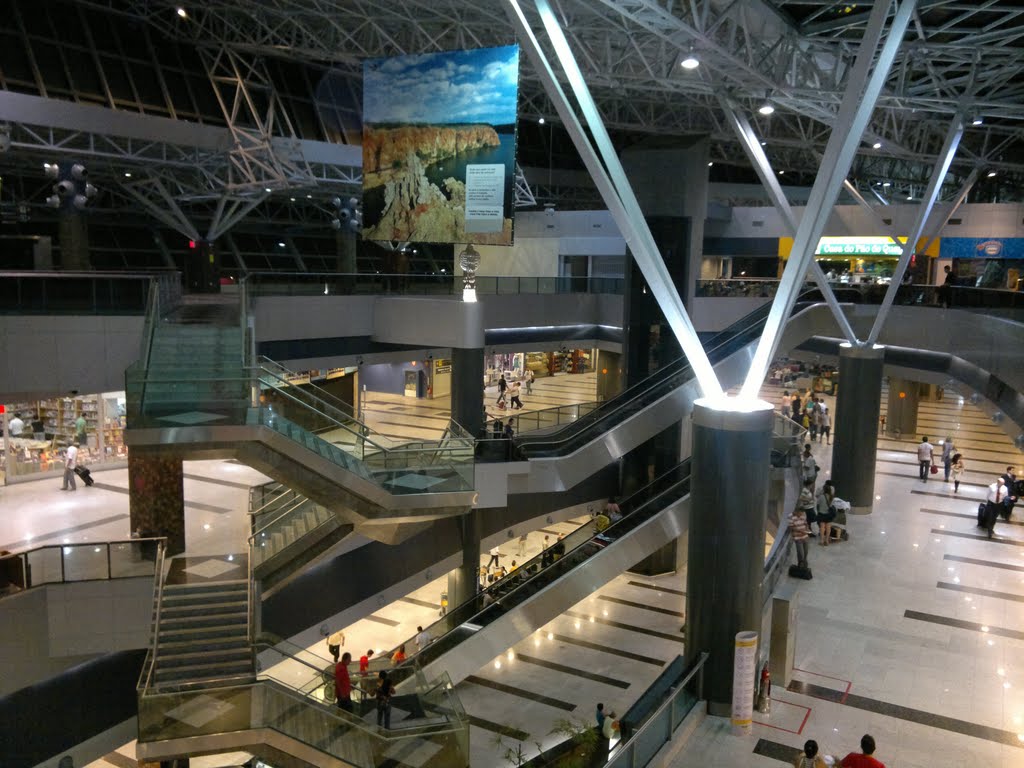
511	383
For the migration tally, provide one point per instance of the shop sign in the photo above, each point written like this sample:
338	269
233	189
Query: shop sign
859	246
335	373
442	366
982	248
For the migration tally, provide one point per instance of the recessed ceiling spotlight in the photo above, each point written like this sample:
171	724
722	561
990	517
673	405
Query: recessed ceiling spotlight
877	145
281	244
181	12
690	62
540	121
766	109
711	164
127	174
991	174
977	120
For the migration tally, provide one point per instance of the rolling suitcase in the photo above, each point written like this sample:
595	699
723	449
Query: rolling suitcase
982	509
800	572
85	474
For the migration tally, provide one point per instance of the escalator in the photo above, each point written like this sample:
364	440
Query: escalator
475	632
561	459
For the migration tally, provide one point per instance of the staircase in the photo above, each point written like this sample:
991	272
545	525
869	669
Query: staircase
203	633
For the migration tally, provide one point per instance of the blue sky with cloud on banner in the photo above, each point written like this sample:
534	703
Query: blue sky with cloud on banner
478	86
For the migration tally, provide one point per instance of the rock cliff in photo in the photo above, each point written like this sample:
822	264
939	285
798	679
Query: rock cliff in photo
385	149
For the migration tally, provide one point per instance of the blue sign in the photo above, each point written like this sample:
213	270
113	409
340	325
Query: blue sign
981	248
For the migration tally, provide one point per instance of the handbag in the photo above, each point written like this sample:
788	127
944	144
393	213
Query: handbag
935	469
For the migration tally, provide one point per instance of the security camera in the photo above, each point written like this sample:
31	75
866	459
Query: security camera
344	214
78	171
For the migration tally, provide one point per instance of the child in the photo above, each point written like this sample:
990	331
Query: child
956	470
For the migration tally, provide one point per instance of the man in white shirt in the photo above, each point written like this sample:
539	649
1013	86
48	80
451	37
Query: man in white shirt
16	425
495	554
785	403
70	462
925	452
808	467
422	639
993	500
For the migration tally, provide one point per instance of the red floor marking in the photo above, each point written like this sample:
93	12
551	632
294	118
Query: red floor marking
849	683
807	714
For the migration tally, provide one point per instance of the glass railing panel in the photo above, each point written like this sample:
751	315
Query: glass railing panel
529	285
85	562
133	558
486	285
44	566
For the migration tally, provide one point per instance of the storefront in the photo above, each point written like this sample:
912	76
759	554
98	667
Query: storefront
37	434
515	364
985	262
866	260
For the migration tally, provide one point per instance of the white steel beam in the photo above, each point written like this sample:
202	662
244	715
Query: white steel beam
958	200
956	131
858	103
642	244
752	146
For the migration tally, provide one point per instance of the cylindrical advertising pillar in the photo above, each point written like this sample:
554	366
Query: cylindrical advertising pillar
854	432
732	443
901	419
744	669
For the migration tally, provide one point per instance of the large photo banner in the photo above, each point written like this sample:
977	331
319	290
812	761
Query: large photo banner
439	146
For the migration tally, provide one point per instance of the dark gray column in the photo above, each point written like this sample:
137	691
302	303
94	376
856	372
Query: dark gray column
462	582
901	419
854	426
468	389
728	505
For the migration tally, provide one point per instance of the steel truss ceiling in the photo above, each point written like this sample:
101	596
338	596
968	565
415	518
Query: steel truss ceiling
960	55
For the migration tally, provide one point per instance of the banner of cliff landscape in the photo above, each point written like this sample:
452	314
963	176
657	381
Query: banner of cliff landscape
439	146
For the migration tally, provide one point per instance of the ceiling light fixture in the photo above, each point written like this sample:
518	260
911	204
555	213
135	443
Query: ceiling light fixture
540	121
766	109
690	62
764	143
181	12
991	174
711	164
885	183
977	120
877	145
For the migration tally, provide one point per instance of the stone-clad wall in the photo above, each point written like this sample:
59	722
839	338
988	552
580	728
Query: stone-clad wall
156	493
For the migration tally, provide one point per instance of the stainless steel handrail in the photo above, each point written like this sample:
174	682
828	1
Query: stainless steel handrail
158	593
698	670
301	500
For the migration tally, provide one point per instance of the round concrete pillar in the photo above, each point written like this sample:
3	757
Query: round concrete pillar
901	418
855	437
729	482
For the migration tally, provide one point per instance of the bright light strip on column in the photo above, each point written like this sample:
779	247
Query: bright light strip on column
625	209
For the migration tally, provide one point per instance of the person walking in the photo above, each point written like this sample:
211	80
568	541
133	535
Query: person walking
814	418
865	758
521	546
925	454
364	662
599	716
957	470
80	430
385	690
398	656
334	642
809	757
343	683
529	381
16	425
70	462
495	554
502	388
826	426
800	530
947	456
517	404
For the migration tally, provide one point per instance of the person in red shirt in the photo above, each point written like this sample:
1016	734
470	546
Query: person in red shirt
343	683
865	760
364	662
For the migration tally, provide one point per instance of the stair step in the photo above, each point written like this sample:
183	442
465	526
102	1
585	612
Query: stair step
212	656
218	641
204	598
231	606
212	586
199	671
225	620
